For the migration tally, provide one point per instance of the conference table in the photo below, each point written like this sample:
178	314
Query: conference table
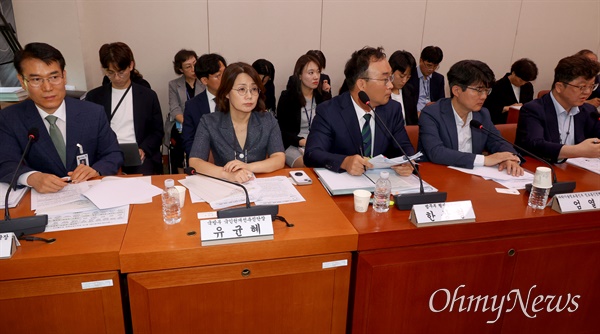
334	271
435	279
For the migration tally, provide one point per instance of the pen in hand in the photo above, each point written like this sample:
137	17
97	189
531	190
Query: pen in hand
362	156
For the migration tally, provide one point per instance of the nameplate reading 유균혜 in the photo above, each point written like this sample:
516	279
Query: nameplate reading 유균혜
442	213
233	230
576	202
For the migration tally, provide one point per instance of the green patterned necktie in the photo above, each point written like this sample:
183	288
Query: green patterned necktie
57	138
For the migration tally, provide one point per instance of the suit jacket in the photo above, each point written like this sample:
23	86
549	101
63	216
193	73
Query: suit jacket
335	133
216	133
537	129
503	95
289	115
194	109
410	105
177	100
86	125
436	85
438	138
147	117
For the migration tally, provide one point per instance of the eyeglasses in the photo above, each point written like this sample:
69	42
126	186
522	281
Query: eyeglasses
481	90
36	82
254	91
112	74
385	81
584	88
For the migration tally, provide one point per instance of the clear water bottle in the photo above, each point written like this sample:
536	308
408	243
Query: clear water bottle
542	182
538	197
383	189
170	203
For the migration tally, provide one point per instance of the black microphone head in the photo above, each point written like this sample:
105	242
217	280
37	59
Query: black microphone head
364	98
476	124
33	134
189	170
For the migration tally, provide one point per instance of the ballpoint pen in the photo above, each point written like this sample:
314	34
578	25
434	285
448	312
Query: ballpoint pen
363	156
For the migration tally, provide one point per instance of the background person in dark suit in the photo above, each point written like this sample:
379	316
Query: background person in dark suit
41	71
428	85
337	139
514	89
402	63
132	109
445	135
559	125
594	98
209	69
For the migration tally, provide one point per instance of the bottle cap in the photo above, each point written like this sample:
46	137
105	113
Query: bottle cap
384	175
169	183
542	178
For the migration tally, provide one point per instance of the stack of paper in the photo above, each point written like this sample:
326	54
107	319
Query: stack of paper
501	177
12	94
15	195
591	164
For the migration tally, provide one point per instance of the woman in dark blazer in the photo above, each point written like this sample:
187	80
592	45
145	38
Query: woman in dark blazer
297	107
402	63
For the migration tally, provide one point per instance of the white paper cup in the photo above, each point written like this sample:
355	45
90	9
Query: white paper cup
361	200
542	178
181	190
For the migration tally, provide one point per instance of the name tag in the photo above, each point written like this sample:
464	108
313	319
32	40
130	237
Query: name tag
575	202
234	230
442	213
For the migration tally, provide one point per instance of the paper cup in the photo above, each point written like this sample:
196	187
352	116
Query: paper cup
542	178
361	200
181	190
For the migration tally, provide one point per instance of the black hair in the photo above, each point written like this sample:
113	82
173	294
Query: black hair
294	85
525	69
469	72
432	54
180	58
121	56
42	51
401	61
264	67
319	55
358	64
208	64
573	67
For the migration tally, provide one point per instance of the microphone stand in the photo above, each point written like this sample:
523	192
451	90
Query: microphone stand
406	201
557	187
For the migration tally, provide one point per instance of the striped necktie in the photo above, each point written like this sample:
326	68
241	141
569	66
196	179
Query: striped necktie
366	135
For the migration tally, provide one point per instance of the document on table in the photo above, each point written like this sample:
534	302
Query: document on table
87	219
220	194
72	192
147	179
15	195
124	191
277	190
501	177
591	164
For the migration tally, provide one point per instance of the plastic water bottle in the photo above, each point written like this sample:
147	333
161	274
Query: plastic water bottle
538	197
383	189
170	203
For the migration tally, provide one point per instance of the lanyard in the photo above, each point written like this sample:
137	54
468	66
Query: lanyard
119	104
309	118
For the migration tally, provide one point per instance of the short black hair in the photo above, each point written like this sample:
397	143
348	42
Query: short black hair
319	55
42	51
432	54
525	69
208	64
180	57
469	72
573	67
264	67
401	61
358	64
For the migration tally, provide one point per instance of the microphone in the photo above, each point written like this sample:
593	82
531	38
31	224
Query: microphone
24	225
557	187
406	201
248	210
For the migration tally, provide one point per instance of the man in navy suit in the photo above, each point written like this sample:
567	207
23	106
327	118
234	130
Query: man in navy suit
428	85
560	125
41	71
209	69
338	140
445	135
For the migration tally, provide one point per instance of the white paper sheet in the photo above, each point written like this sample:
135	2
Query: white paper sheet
591	164
14	197
501	177
277	190
121	192
87	219
382	162
72	192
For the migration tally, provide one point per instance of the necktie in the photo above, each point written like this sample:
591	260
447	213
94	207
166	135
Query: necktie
366	135
57	138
